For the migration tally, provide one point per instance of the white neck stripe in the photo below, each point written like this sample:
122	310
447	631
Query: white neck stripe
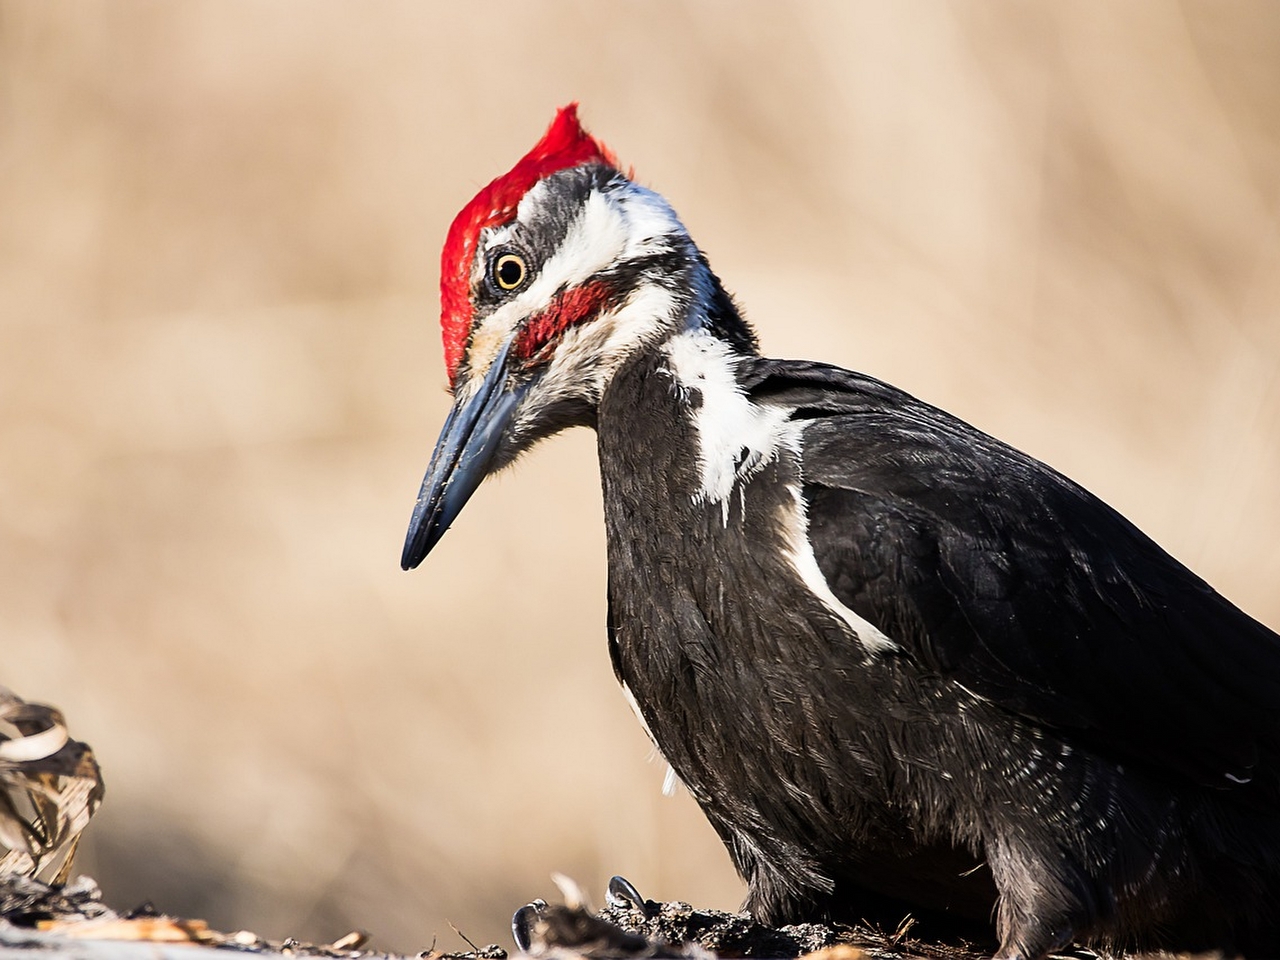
736	437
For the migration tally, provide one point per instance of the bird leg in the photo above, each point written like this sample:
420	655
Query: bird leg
1040	909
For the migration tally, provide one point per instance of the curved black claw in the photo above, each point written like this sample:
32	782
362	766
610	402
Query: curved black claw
622	895
522	924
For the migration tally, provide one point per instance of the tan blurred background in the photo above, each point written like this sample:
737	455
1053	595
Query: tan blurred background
220	381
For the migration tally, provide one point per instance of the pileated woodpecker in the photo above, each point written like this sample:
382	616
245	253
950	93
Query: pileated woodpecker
901	665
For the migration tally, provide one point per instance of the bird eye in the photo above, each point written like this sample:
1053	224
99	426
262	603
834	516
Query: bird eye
509	271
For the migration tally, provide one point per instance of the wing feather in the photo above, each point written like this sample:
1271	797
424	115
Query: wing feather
991	568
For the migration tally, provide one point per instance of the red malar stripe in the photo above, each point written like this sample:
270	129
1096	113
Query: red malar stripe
570	307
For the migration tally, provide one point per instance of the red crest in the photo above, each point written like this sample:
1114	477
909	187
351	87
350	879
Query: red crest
564	145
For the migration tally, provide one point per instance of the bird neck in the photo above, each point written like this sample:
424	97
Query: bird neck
714	629
713	310
678	415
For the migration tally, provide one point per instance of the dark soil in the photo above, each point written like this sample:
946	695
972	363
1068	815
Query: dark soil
679	930
36	916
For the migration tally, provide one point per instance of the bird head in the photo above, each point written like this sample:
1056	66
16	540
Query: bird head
551	278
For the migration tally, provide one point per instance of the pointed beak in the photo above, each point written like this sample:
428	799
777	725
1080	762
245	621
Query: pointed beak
462	457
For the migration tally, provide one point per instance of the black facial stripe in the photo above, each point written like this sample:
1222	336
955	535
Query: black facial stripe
666	267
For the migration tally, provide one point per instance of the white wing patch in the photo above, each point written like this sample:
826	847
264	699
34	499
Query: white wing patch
736	437
800	552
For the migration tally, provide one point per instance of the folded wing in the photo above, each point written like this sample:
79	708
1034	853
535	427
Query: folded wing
996	571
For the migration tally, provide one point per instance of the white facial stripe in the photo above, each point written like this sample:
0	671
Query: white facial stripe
800	552
588	355
595	240
643	317
625	223
736	437
650	220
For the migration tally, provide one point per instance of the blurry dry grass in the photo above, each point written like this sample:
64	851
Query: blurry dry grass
220	380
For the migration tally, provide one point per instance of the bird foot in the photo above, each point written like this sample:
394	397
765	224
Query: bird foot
522	922
621	894
537	926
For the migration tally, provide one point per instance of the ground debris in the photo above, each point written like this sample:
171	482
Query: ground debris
40	917
491	952
741	935
25	902
567	932
631	927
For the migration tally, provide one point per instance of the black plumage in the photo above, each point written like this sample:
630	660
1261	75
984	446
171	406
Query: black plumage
1005	551
1069	704
901	665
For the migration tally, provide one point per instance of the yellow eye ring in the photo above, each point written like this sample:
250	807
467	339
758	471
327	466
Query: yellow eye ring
509	271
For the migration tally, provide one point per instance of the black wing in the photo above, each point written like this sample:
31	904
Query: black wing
989	567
